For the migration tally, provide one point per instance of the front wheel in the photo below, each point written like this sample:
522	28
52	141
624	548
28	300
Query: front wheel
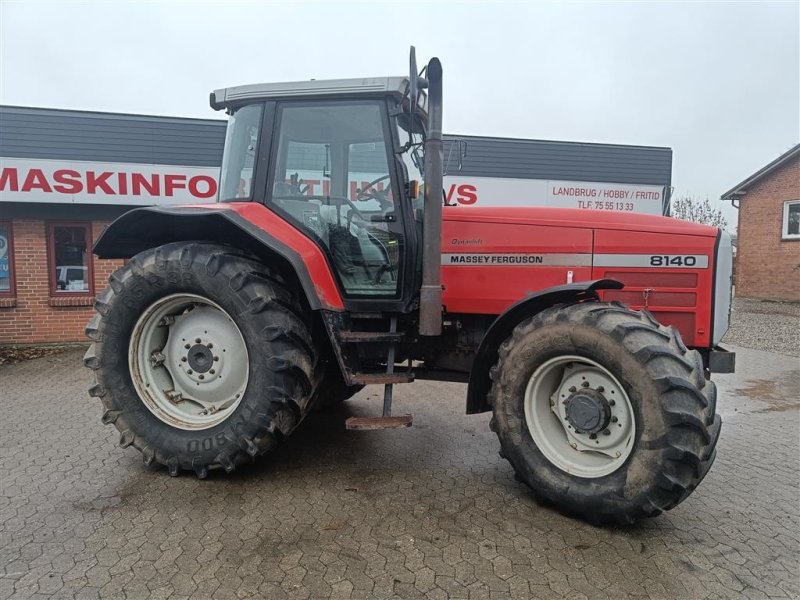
203	358
603	412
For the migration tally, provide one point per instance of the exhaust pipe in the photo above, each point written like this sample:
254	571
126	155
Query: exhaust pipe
430	308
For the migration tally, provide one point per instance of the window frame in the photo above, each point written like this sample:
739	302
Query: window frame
785	235
12	277
258	162
354	302
51	259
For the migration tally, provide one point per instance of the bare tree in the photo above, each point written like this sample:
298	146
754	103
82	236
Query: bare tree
700	211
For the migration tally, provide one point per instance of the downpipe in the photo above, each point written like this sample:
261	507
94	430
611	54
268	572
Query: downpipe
430	309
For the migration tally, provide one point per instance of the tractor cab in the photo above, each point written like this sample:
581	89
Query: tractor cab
342	161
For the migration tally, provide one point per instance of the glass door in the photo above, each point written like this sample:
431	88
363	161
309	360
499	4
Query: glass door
332	179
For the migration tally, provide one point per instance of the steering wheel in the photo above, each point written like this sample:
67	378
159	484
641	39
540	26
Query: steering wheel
338	202
362	195
335	201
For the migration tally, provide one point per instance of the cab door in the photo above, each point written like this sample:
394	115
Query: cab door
333	176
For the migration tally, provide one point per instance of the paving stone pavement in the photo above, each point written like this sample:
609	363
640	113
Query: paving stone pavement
428	512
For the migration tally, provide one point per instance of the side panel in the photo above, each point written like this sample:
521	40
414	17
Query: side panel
487	267
317	266
246	225
670	275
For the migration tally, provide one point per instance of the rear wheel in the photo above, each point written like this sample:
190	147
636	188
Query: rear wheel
333	390
202	357
603	412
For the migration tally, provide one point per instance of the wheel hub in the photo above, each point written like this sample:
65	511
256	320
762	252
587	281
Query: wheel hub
588	411
579	416
188	361
200	358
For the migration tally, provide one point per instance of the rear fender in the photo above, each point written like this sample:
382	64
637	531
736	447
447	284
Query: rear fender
253	228
486	357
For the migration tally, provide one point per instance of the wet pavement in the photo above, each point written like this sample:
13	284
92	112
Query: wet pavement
426	512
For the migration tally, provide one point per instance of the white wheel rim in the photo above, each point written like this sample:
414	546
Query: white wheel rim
552	399
188	361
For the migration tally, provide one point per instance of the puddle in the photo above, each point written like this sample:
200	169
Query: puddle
778	394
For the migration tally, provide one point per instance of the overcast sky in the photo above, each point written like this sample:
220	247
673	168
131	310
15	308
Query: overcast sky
719	83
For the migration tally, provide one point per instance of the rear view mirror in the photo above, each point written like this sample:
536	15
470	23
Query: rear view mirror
459	148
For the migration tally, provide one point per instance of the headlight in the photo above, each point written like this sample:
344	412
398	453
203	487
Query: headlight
723	287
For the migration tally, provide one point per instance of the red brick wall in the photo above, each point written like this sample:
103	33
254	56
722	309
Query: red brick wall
33	318
766	266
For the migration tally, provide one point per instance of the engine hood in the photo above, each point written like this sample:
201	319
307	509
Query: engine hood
576	218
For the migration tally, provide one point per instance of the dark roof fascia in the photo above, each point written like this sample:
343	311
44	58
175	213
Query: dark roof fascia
740	189
455	137
96	114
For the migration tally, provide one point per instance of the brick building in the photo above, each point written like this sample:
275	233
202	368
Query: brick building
64	175
768	251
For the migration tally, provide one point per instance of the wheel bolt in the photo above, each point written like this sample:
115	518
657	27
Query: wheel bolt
614	419
216	358
606	432
197	340
611	403
202	376
585	384
187	346
601	389
593	436
210	345
212	371
573	389
183	359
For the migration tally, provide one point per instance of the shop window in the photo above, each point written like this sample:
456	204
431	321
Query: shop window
70	251
6	260
791	220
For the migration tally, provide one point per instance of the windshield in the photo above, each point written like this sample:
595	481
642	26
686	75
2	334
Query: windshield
241	142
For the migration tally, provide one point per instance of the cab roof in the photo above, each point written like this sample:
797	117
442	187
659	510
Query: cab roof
369	86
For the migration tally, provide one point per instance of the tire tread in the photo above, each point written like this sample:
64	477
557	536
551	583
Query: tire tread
260	291
688	403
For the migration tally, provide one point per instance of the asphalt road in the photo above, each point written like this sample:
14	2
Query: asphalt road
431	511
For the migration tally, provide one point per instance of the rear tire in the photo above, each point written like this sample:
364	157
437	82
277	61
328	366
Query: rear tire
261	320
671	439
333	390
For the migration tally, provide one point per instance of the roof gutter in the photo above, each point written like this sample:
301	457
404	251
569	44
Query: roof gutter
741	189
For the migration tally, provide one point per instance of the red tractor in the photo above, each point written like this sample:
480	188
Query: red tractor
589	335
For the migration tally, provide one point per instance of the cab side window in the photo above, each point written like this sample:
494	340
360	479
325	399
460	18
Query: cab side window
331	178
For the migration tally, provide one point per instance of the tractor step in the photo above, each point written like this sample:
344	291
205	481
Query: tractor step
367	423
367	315
380	378
370	336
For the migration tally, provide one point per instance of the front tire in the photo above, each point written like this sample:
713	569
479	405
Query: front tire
603	412
202	357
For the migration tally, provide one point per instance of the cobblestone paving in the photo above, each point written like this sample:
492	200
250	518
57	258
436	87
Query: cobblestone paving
429	512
